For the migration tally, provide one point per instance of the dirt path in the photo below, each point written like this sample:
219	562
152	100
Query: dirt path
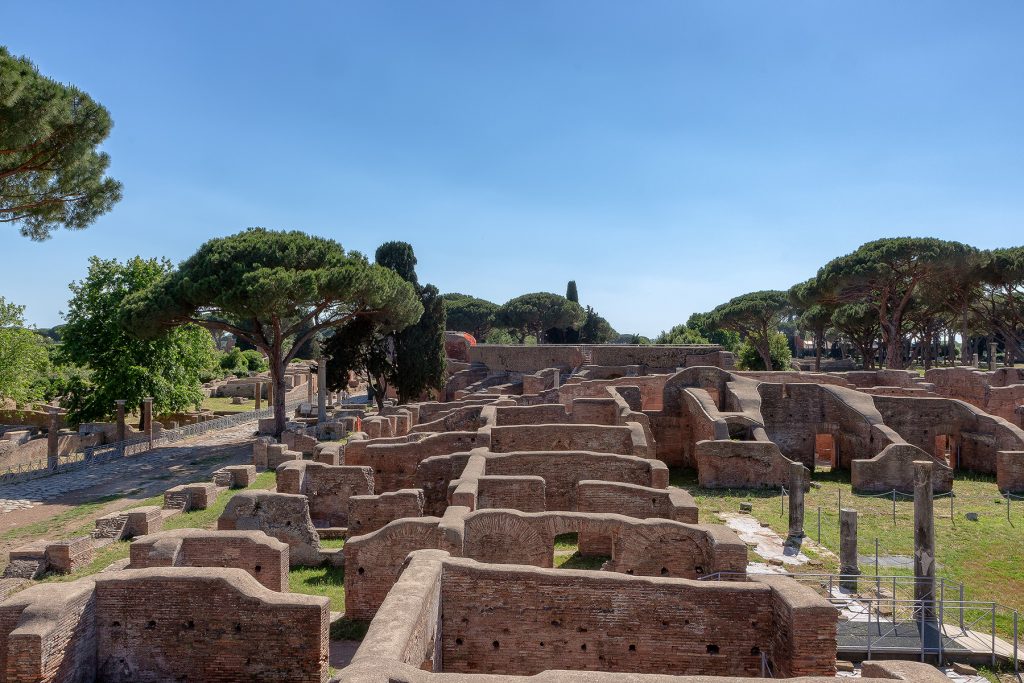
113	486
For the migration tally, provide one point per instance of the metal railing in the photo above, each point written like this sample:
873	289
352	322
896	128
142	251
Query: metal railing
879	617
97	455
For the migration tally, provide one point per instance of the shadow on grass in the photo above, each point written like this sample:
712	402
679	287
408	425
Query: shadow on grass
349	629
577	561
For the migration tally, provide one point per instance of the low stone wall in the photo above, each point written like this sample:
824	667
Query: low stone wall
893	468
563	619
1010	471
741	465
369	513
157	624
261	556
394	464
642	547
281	515
328	488
633	500
565	437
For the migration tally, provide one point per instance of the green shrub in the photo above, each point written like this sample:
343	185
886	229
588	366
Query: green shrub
749	359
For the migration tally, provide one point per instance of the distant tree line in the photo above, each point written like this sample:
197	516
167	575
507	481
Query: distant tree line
892	302
538	317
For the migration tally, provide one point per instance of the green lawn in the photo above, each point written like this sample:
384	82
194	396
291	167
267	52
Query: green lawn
50	526
324	580
987	555
223	403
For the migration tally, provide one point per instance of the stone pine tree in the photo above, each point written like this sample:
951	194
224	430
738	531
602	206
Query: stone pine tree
467	313
886	274
756	317
51	172
289	286
533	314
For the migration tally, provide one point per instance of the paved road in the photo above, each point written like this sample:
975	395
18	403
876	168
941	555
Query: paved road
164	462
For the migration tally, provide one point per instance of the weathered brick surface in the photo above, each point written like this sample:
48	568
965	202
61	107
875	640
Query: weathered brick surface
633	500
65	557
281	515
158	625
369	513
394	464
522	492
328	488
741	464
235	476
1010	471
259	451
893	468
263	557
278	454
518	620
374	561
568	437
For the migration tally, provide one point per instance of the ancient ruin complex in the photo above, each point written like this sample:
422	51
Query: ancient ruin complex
451	512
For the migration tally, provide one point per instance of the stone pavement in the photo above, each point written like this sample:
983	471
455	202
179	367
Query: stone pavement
148	465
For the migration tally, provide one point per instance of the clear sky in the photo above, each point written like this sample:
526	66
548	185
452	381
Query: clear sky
665	155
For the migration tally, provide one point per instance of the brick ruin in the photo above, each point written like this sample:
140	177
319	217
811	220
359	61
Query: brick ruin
451	511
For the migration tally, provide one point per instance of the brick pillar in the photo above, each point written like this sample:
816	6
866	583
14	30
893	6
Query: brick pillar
796	500
258	395
321	385
848	566
121	430
270	393
147	418
52	442
924	538
309	389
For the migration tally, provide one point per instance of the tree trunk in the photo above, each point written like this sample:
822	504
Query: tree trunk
817	352
965	353
766	356
893	344
277	380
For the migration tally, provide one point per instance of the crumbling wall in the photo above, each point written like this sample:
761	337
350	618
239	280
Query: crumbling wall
634	500
369	513
394	464
261	556
281	515
567	437
893	468
741	465
329	488
612	622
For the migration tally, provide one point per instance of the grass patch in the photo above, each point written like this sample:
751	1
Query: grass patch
577	561
332	542
987	555
49	526
224	404
349	629
567	541
325	580
103	559
205	519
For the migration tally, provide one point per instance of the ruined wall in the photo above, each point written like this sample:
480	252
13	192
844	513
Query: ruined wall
544	413
523	492
569	437
893	468
1010	471
634	500
329	488
369	513
741	465
281	515
562	472
394	464
157	625
261	556
526	359
651	388
602	621
660	359
979	435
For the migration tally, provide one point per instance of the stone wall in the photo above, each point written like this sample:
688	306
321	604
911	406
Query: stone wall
394	464
741	465
158	625
281	515
569	437
369	513
328	488
522	620
633	500
1010	471
893	468
261	556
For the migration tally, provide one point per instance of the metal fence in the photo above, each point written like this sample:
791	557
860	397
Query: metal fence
97	455
883	616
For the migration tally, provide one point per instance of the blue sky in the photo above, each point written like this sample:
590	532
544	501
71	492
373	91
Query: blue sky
665	155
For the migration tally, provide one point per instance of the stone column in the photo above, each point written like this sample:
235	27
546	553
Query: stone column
52	436
321	385
992	348
147	418
309	389
796	500
924	538
848	564
121	430
258	395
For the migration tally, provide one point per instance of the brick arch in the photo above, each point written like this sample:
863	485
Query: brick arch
661	551
507	539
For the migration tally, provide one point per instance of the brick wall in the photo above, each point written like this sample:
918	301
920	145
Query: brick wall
741	464
394	464
518	620
523	492
569	437
1010	471
369	513
261	556
637	501
157	624
328	487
